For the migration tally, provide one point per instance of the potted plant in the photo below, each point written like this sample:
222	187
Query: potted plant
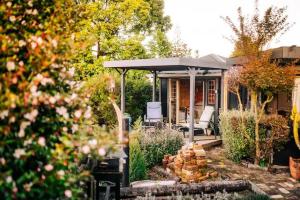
295	163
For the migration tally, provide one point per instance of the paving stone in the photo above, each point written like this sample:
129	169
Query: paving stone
283	190
282	184
293	180
276	196
263	186
289	184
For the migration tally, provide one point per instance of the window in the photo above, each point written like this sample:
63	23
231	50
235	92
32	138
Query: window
211	97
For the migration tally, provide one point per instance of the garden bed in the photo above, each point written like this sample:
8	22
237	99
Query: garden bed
163	191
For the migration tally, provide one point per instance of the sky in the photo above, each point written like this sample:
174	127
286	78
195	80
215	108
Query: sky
199	23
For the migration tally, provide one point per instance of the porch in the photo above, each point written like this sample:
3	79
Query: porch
175	98
193	88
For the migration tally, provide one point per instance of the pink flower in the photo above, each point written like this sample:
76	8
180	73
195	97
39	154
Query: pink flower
3	114
9	4
23	126
21	63
12	18
68	193
2	161
19	152
71	72
9	179
60	173
35	12
52	100
48	167
15	189
10	65
42	141
74	128
88	113
63	112
101	152
33	45
54	43
32	115
78	113
86	149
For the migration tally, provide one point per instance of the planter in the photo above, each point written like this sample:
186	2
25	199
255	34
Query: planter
295	168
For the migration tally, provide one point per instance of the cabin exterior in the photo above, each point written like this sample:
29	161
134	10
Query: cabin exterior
282	102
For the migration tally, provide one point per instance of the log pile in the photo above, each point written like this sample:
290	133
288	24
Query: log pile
189	164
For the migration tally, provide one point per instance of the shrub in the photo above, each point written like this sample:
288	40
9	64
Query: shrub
236	146
40	110
138	92
156	145
273	130
138	170
274	134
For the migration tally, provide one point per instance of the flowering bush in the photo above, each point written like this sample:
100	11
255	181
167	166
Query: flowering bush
40	111
156	145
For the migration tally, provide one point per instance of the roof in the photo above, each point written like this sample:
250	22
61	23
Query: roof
283	54
210	61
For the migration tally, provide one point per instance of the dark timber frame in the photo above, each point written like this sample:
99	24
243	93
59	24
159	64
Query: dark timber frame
191	65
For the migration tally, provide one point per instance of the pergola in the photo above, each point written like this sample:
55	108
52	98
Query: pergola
193	66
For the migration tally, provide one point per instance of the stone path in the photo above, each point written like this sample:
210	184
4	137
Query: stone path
276	185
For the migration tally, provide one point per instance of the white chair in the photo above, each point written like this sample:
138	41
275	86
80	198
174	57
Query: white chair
204	121
154	113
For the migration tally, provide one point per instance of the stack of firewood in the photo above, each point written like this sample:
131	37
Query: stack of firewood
189	164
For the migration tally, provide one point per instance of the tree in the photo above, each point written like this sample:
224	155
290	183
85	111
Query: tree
260	74
116	30
40	110
179	48
160	46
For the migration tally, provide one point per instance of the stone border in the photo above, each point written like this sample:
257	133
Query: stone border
193	188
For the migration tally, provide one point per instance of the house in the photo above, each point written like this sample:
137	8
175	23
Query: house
175	87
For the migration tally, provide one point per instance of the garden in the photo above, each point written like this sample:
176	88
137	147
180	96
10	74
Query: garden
61	126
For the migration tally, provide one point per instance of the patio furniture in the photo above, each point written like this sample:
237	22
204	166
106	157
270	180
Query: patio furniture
153	118
204	121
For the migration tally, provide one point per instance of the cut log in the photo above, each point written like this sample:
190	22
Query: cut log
193	188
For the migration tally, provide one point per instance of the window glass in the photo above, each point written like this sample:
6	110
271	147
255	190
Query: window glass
211	99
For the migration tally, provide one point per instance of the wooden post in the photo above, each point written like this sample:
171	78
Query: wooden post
123	74
169	102
177	100
192	73
203	95
217	93
225	90
222	90
154	87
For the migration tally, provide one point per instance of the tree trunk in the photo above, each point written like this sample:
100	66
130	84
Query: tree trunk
253	100
257	143
254	109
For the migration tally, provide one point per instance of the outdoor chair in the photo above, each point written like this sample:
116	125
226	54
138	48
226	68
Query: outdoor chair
204	121
153	118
